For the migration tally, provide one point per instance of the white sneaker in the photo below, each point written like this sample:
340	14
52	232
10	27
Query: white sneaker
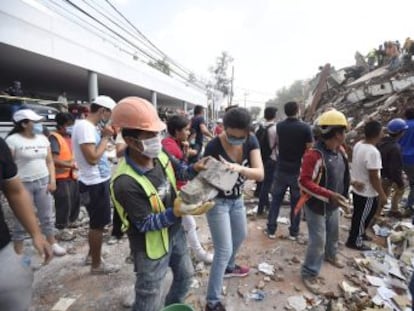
204	256
58	250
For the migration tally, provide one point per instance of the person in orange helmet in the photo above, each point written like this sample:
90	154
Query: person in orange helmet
144	193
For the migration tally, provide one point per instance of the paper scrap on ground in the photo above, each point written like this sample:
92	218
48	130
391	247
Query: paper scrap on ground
266	268
63	304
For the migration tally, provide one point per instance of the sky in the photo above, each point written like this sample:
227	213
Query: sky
273	42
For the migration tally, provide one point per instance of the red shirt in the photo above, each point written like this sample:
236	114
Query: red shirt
218	130
173	148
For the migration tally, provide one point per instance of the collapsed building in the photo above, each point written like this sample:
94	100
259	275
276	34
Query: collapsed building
380	94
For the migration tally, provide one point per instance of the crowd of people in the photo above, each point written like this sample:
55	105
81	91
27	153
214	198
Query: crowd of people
46	179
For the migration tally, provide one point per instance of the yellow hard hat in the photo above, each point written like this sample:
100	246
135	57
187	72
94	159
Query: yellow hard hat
332	118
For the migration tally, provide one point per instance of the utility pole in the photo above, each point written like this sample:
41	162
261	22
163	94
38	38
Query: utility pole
231	86
245	98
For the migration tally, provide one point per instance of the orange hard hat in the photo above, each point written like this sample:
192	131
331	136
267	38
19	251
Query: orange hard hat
136	113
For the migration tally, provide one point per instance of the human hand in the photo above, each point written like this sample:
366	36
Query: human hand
339	200
358	186
181	208
43	248
51	187
234	167
107	131
382	199
200	165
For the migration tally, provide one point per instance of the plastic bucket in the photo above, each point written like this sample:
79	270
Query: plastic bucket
178	307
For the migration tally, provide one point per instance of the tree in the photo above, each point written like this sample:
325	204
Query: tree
161	65
221	81
191	78
295	92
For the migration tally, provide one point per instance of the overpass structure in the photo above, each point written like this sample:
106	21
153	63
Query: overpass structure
50	53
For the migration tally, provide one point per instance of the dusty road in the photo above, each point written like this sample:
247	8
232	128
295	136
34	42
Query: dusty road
67	277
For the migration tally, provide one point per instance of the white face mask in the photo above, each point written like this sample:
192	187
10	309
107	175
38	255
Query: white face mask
152	147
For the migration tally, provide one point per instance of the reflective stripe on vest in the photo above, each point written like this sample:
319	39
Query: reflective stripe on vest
65	154
156	242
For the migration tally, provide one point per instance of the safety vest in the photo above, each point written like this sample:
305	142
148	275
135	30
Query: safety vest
65	154
156	242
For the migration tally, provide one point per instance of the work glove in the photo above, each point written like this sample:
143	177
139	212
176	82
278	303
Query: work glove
181	209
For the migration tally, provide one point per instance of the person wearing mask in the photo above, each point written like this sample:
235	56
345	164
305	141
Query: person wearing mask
67	198
31	152
16	284
144	193
407	150
176	145
392	166
89	146
324	179
240	151
267	138
366	168
199	130
294	137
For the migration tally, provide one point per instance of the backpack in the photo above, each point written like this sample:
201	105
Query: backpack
262	135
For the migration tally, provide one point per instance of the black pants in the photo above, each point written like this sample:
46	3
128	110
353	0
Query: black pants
67	202
364	211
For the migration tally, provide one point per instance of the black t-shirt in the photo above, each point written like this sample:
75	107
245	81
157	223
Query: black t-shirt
196	127
54	145
135	202
293	135
8	170
215	149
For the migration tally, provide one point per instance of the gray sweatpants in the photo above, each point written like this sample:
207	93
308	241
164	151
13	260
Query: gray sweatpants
42	200
16	284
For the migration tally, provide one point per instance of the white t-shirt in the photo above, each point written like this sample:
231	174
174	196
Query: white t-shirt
30	156
84	132
365	157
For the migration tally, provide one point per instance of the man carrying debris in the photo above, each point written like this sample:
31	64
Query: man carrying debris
366	167
144	193
324	179
392	169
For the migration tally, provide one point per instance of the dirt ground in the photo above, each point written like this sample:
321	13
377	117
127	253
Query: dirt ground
67	277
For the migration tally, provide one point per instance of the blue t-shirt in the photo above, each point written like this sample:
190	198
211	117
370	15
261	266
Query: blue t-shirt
215	149
407	144
195	126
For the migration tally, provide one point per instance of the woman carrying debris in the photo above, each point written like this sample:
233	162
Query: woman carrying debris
177	146
240	151
32	154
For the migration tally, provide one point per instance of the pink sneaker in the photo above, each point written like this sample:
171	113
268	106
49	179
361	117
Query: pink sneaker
238	271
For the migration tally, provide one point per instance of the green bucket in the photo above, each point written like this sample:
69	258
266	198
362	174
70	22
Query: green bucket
178	307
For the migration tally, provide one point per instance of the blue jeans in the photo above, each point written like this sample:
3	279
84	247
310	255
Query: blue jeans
150	275
323	233
228	227
409	170
269	175
42	201
282	182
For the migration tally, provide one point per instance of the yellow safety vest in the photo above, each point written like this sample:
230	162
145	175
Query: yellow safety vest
156	242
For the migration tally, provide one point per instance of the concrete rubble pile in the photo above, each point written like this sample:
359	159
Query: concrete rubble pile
360	94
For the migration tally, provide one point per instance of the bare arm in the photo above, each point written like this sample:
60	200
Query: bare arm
375	180
21	204
92	152
60	163
205	130
256	171
51	168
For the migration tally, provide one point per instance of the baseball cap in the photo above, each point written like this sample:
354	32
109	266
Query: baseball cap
26	114
104	101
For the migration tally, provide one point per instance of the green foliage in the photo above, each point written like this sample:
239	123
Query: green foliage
295	92
255	112
221	80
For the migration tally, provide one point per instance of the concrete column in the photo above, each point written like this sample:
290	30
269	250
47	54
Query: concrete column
185	107
154	99
92	85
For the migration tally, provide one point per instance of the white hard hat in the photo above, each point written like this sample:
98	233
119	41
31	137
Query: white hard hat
104	101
